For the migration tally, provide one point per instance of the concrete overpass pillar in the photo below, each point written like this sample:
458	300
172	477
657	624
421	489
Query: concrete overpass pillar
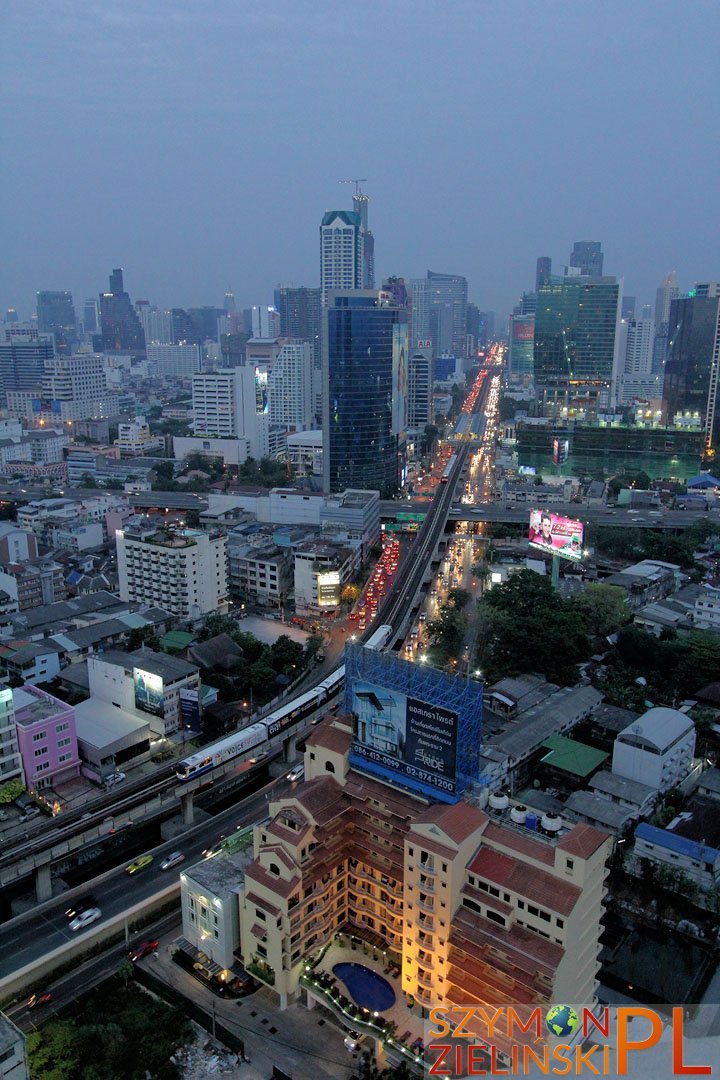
43	883
188	808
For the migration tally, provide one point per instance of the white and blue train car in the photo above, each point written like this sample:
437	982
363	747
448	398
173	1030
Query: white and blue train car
252	742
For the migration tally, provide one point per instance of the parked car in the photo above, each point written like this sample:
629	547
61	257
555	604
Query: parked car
114	778
174	859
86	918
29	813
143	949
354	1041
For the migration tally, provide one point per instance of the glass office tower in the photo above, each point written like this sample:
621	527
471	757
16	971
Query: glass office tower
574	353
691	368
364	391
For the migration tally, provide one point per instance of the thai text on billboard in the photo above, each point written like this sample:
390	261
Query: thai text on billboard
409	737
556	535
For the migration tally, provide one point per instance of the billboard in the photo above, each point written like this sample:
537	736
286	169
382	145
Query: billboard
413	738
261	391
560	451
400	378
190	707
556	535
328	587
523	331
149	692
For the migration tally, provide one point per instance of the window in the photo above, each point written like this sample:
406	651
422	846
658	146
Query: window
532	910
570	864
39	736
560	923
41	751
62	727
65	757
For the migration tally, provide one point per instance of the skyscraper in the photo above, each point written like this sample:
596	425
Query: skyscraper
420	390
543	269
693	360
341	252
119	324
56	315
576	358
520	356
420	312
448	312
300	315
587	256
22	362
290	387
664	296
360	206
365	400
91	316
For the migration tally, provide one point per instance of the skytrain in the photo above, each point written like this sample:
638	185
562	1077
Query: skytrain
252	742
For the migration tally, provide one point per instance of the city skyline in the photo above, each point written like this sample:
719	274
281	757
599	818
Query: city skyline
152	169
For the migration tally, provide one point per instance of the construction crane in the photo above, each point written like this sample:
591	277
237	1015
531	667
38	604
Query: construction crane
357	182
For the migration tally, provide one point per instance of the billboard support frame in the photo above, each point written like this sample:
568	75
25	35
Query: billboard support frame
453	693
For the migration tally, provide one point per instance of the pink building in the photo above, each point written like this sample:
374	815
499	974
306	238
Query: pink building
46	737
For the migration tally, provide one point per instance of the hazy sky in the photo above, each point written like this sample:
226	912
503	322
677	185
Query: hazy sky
198	144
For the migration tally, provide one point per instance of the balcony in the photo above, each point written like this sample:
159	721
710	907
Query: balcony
426	904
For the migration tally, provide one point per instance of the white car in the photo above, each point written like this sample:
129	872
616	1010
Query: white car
173	859
85	918
114	778
296	774
353	1041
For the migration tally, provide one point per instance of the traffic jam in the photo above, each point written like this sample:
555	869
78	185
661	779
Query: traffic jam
376	588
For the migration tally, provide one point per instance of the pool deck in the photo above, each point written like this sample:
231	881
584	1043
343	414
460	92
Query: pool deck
405	1018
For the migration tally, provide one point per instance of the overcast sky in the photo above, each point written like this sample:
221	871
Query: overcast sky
198	144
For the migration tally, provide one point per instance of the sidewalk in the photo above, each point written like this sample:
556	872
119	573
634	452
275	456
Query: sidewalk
302	1043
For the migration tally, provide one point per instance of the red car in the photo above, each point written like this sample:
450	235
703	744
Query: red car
38	999
143	949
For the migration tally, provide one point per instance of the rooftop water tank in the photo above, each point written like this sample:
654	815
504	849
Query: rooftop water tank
518	814
551	823
499	800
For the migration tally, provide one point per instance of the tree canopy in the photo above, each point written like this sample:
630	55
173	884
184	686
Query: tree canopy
532	629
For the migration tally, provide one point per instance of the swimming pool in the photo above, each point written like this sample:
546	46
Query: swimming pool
367	989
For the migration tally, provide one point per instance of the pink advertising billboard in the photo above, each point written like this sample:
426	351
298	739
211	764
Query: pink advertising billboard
556	535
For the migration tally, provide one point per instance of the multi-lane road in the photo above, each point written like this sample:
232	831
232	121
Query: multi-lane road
30	937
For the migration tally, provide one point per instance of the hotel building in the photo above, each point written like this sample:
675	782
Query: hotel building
471	906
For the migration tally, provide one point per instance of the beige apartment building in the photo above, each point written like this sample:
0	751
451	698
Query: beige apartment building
470	905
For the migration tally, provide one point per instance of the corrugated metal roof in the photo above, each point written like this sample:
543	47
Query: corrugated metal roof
680	844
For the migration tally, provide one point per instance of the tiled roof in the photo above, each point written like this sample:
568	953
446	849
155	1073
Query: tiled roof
457	820
279	853
522	952
583	841
330	737
319	798
433	846
256	872
525	880
508	838
260	902
258	931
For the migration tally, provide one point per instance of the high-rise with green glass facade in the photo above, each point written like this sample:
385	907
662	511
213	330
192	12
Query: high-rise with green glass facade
576	362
